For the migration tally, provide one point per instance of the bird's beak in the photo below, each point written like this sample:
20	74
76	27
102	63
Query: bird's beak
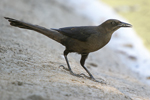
123	24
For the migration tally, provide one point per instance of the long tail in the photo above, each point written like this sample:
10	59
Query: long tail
48	32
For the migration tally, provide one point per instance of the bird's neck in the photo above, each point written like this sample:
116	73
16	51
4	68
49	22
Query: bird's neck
105	31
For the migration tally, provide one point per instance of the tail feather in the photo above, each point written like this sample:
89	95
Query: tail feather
21	24
17	23
48	32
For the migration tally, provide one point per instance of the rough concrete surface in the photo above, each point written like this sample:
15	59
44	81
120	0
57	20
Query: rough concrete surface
29	61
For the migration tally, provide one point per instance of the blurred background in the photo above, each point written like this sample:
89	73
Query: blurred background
137	12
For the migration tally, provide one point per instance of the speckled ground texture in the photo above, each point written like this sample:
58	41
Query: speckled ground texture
29	61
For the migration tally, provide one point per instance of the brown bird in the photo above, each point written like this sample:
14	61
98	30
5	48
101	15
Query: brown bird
81	39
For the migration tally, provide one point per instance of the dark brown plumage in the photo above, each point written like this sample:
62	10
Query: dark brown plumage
83	39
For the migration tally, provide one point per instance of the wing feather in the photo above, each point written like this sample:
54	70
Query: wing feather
80	33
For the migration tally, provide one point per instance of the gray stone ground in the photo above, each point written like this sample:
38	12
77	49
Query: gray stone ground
29	61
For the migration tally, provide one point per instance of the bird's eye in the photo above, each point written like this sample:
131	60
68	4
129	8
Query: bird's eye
113	23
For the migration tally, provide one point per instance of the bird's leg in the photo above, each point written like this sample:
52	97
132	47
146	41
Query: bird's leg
82	61
69	68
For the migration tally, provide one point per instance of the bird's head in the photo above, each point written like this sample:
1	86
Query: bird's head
113	25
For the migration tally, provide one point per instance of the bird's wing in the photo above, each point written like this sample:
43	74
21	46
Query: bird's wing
79	33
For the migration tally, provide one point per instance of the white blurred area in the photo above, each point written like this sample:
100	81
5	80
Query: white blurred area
124	41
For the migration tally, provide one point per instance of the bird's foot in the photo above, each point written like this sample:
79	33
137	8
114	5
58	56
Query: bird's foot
99	81
83	75
71	72
78	75
64	67
93	79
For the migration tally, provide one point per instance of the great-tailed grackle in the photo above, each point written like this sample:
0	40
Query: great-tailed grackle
83	39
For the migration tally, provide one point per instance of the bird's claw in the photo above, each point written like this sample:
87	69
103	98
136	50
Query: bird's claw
93	79
64	67
101	81
78	75
83	75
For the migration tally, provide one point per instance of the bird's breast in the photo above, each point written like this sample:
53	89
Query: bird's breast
97	42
